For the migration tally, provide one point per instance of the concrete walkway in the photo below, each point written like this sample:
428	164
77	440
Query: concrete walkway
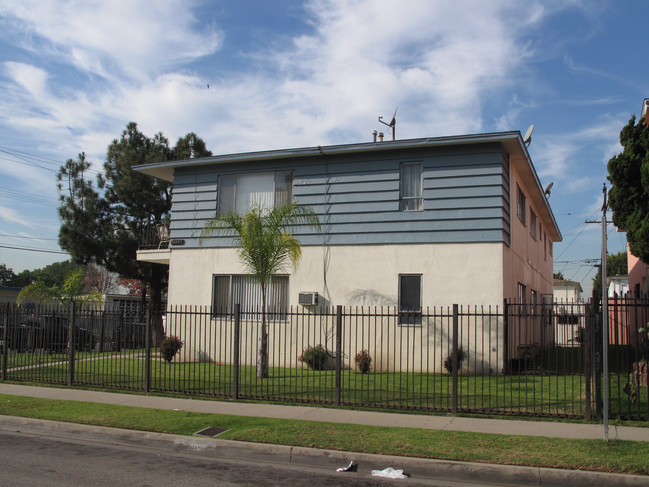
433	471
330	415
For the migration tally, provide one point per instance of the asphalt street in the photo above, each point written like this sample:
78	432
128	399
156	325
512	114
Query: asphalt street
35	461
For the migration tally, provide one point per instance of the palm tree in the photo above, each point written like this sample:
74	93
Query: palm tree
70	294
266	247
72	291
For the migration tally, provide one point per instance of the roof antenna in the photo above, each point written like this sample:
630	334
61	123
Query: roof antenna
392	124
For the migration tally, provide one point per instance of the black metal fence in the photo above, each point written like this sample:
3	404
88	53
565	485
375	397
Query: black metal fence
542	360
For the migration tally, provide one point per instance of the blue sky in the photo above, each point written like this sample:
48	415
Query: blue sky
291	74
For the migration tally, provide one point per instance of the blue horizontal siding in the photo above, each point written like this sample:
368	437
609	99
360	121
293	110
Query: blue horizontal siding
465	197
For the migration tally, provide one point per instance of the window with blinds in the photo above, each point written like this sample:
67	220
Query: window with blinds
243	289
239	192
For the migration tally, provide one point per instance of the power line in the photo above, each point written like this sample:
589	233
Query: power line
30	197
35	156
34	160
22	236
32	249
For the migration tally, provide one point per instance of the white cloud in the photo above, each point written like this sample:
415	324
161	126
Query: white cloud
361	60
577	160
136	38
10	215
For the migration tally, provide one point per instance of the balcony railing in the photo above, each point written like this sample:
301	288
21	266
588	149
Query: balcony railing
154	234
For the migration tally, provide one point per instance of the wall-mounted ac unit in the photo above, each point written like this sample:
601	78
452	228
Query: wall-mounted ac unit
307	299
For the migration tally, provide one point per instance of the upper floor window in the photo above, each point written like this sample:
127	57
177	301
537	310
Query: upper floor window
239	192
410	197
545	246
521	206
532	223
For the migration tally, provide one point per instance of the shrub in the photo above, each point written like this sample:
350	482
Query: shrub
317	358
448	361
169	347
363	361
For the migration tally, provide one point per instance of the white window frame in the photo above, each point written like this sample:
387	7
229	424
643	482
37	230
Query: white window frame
247	291
230	199
522	293
532	223
521	205
411	202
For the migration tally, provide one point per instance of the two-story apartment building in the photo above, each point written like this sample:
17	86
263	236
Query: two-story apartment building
406	223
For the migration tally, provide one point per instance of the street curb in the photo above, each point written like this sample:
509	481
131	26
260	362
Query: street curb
330	460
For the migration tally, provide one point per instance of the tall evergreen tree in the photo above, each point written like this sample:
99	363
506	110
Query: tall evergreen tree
629	194
103	225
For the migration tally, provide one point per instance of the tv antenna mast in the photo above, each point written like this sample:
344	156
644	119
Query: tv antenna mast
392	124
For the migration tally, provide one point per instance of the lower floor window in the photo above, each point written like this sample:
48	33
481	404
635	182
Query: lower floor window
410	299
245	290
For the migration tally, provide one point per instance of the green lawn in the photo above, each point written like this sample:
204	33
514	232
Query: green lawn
533	394
613	456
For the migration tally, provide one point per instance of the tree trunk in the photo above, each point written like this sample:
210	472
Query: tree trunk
157	276
262	360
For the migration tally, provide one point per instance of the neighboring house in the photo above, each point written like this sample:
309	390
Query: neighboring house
638	276
407	223
618	286
9	294
569	310
566	291
618	313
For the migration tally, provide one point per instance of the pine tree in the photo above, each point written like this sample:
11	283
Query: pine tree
629	194
102	226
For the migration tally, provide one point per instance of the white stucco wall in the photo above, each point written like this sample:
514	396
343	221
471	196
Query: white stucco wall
466	274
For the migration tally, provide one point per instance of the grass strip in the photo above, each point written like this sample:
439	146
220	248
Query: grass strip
615	456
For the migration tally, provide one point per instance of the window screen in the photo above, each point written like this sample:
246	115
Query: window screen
410	299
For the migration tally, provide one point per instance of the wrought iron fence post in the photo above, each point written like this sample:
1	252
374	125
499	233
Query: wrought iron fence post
5	343
147	354
71	341
236	351
339	352
101	333
454	357
587	344
506	367
597	341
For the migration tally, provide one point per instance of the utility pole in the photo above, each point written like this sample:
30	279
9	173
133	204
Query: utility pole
605	315
605	374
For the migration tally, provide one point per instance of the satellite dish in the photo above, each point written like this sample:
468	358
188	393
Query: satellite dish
547	189
528	136
392	124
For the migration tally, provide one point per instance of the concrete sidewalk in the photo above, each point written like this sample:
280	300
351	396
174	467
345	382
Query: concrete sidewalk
330	415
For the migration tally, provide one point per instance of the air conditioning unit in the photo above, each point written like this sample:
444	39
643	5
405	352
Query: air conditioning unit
307	299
